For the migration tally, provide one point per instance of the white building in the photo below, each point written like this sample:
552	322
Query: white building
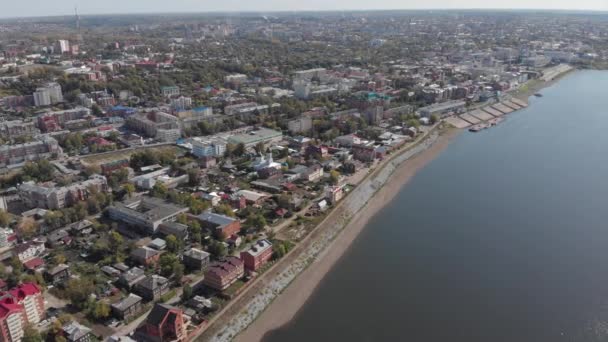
64	46
42	97
206	148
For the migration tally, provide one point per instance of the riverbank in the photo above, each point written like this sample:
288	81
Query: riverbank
287	304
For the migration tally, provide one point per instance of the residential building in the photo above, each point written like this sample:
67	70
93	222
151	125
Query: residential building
165	323
221	225
47	196
29	250
43	147
152	287
131	277
145	213
160	125
180	231
170	91
58	120
258	255
127	307
7	237
181	103
301	125
334	194
42	97
221	274
196	259
10	130
20	306
76	332
145	256
58	274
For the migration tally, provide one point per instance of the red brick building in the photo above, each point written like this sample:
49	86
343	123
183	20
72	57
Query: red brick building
258	255
220	225
220	275
164	323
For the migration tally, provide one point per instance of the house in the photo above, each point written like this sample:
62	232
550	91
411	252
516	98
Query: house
76	332
58	238
164	323
81	228
145	256
180	231
334	194
34	264
253	197
29	250
195	259
221	274
221	225
158	244
152	287
58	274
258	255
127	307
132	277
200	304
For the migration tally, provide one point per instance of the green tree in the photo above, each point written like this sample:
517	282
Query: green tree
217	249
79	290
116	241
187	292
167	264
334	177
30	334
434	119
159	190
239	150
173	244
129	189
5	218
100	310
257	221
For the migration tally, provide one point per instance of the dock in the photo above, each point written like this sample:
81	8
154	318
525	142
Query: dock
492	111
470	118
519	102
481	115
512	105
501	107
457	122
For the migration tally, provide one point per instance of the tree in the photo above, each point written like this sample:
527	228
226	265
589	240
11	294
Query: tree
59	259
258	221
173	245
167	264
239	150
96	110
159	190
100	310
194	176
187	292
27	227
116	241
217	249
334	177
434	119
260	148
225	209
129	189
79	291
5	218
30	334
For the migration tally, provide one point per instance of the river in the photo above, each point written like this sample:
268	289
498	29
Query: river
503	237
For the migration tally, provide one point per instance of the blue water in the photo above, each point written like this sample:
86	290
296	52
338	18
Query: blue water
503	237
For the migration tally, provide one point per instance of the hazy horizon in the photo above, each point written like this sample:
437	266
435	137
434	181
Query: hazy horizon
29	8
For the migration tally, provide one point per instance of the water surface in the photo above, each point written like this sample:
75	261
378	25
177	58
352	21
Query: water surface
503	237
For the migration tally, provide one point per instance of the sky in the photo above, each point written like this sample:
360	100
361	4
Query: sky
26	8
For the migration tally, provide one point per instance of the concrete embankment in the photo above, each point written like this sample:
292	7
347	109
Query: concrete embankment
351	207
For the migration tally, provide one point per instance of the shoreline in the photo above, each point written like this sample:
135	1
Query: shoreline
286	305
257	315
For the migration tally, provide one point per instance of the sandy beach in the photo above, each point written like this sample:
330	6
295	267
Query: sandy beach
288	303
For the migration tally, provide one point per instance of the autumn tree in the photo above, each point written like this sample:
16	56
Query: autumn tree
27	227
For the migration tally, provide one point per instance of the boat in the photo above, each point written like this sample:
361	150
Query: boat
479	127
538	95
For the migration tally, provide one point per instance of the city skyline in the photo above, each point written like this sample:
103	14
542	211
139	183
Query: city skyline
66	7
